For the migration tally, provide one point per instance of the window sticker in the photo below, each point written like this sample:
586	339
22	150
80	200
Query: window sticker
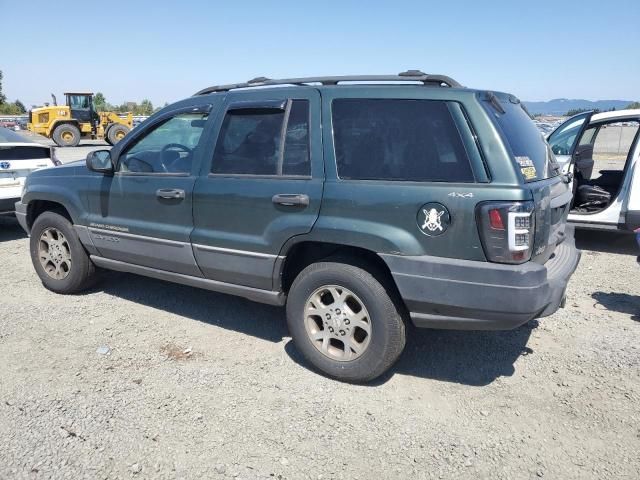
527	168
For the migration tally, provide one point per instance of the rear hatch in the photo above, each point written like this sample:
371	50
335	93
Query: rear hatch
537	166
16	162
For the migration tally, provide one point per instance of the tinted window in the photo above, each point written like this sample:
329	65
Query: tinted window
532	154
167	148
250	142
23	153
388	139
296	146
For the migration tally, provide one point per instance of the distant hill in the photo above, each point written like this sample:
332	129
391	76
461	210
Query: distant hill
560	106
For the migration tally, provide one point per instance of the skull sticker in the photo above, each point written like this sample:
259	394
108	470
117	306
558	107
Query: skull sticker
433	219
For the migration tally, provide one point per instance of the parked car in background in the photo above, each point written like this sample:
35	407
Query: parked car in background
360	207
602	153
18	158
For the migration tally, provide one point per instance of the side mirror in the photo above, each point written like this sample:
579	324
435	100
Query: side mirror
100	161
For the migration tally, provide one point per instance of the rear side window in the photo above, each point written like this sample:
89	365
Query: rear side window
264	141
23	153
397	139
531	152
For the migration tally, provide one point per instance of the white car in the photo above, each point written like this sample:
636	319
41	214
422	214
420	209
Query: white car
601	151
18	158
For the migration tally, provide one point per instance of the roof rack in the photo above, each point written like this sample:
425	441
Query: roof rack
408	76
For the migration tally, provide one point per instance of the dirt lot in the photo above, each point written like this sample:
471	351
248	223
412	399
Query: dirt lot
140	378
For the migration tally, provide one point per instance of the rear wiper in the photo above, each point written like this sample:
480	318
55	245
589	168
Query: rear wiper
495	103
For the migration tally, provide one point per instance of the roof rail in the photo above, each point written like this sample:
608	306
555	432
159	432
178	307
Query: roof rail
408	76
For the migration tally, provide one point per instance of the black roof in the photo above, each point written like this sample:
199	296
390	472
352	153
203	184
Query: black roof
408	76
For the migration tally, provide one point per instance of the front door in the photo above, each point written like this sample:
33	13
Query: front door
261	186
564	142
143	213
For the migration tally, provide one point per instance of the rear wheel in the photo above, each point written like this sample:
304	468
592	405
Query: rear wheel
66	135
116	133
58	256
344	321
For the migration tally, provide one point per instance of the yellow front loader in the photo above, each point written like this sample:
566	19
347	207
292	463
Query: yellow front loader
67	124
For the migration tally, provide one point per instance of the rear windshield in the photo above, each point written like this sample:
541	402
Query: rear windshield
23	153
530	150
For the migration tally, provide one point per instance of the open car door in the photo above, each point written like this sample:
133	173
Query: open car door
566	145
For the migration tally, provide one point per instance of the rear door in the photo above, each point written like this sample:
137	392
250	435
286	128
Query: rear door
261	185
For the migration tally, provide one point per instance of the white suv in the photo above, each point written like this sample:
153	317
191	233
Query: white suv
601	151
18	158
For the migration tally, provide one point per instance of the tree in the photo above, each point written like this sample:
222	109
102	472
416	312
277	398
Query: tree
3	98
633	105
576	111
100	102
20	106
145	108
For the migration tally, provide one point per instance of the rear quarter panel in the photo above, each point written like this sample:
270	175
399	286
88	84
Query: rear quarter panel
382	216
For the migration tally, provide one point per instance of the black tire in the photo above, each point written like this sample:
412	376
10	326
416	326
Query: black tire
82	272
106	134
116	132
388	334
66	135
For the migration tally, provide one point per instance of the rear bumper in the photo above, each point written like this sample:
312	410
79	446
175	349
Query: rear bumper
471	295
21	215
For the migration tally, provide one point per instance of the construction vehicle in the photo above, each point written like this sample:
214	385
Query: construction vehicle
67	124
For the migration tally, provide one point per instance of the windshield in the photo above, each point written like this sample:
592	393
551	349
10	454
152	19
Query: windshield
528	147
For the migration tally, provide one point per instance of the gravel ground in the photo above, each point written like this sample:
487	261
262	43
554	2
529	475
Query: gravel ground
141	378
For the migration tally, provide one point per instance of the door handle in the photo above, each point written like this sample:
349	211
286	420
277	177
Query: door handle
170	193
291	199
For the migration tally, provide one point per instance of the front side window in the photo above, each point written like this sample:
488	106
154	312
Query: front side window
168	148
264	141
405	140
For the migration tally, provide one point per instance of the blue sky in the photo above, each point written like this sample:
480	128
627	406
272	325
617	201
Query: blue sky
165	51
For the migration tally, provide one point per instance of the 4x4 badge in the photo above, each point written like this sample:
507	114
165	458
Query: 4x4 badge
433	219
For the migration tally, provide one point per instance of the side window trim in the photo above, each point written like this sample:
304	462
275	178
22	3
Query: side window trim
471	142
283	136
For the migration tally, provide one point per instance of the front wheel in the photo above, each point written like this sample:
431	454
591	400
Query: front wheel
66	135
344	321
58	256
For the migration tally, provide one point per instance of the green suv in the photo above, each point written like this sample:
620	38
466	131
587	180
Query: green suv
361	203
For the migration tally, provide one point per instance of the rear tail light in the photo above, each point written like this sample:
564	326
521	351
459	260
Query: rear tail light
54	159
506	230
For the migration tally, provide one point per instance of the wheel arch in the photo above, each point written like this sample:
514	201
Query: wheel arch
301	254
37	207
